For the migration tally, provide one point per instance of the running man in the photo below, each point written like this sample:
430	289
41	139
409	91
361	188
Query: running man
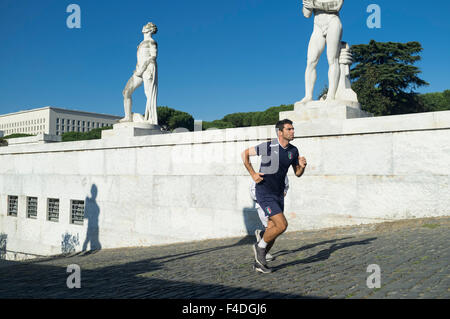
262	216
277	156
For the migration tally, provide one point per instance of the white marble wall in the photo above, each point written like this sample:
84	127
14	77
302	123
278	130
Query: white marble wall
193	186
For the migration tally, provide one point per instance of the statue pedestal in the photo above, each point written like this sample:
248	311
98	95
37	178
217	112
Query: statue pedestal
132	129
321	110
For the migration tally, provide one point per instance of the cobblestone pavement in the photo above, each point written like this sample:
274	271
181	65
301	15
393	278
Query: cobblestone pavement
413	256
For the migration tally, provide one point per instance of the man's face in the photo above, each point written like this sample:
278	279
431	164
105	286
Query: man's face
288	132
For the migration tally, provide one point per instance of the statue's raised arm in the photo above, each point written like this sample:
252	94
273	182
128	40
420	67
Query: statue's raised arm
330	6
308	8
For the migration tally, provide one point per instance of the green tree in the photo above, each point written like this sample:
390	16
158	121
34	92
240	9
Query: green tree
237	119
164	115
272	115
370	96
219	124
438	101
93	134
181	119
170	119
388	73
241	119
17	135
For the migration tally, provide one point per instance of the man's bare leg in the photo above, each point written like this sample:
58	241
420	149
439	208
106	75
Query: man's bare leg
279	226
271	233
270	224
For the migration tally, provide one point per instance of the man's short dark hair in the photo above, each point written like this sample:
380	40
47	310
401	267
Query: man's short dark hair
280	124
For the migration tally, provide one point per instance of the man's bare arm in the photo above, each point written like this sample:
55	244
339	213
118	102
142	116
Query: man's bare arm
246	159
300	168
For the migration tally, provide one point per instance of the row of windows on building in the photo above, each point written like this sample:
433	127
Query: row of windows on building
76	206
30	130
24	127
80	123
62	129
68	125
21	123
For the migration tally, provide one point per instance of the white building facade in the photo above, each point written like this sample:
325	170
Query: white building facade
53	121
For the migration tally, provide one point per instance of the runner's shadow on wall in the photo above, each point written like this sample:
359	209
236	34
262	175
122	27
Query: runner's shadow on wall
91	213
252	223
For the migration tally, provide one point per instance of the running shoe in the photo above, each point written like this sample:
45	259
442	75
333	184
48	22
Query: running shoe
263	269
259	235
260	255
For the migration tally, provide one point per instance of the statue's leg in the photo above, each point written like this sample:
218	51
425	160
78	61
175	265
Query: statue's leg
334	37
133	83
315	49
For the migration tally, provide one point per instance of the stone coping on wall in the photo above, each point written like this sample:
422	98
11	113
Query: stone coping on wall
36	139
319	128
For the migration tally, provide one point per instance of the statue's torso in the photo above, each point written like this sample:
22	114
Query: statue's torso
147	50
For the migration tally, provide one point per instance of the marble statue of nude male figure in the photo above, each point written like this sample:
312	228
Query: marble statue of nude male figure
146	73
327	31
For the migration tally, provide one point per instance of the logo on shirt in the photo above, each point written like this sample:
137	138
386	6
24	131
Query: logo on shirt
269	211
290	155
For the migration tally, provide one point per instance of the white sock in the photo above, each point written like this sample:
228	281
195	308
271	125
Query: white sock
262	244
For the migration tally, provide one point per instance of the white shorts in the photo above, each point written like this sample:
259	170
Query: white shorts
262	216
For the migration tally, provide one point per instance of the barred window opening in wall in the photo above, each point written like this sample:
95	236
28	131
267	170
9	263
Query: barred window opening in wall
13	202
53	210
32	203
77	212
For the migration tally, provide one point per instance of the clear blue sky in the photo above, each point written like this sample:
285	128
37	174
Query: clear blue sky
215	56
